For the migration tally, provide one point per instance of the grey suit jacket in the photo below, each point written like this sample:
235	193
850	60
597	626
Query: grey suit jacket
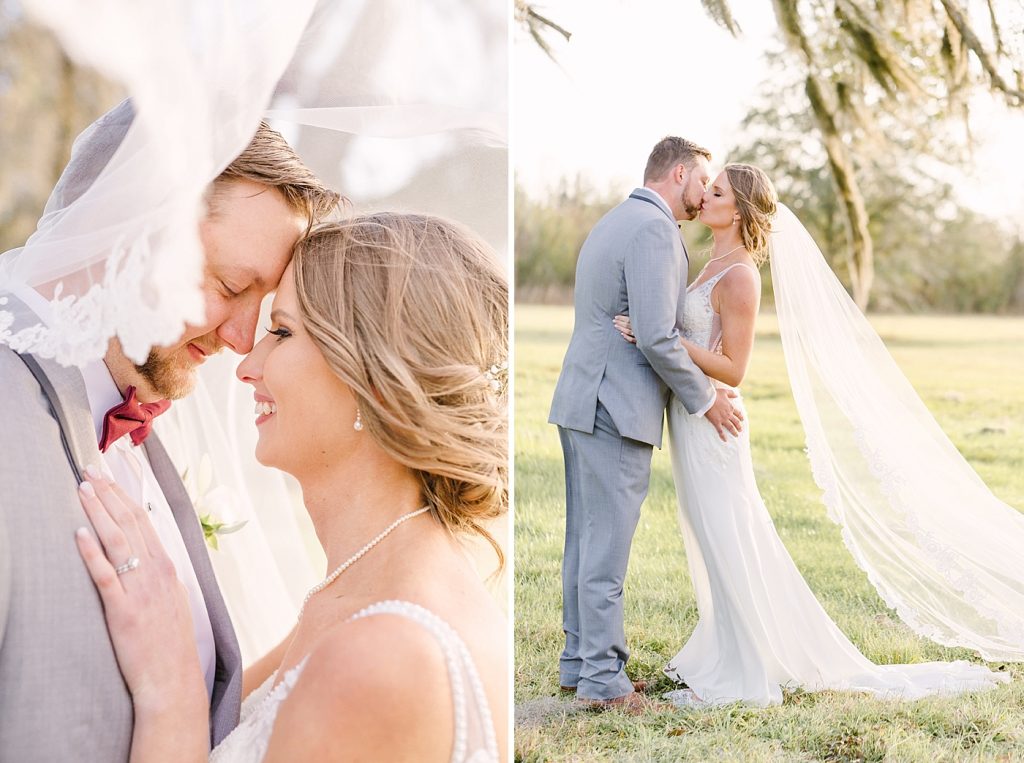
62	696
633	262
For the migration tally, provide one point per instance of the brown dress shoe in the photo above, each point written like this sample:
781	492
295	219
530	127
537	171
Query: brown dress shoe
633	703
639	686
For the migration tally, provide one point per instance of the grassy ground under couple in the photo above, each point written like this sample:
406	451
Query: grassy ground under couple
968	370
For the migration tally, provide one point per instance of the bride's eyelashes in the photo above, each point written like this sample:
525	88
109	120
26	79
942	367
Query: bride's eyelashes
280	333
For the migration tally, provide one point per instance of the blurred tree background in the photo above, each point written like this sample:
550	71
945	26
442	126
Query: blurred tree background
860	119
45	101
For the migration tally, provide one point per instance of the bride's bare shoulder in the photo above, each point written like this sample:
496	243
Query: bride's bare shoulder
374	687
741	285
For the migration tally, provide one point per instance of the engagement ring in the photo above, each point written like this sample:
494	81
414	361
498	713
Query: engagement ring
128	566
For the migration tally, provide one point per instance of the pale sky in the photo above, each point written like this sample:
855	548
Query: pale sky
634	72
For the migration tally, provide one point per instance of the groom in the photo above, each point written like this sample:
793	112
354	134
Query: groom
610	401
61	693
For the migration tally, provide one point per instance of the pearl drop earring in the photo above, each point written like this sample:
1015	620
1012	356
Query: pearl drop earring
358	426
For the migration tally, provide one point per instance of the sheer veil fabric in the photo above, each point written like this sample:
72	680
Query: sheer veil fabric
408	102
121	255
397	104
938	546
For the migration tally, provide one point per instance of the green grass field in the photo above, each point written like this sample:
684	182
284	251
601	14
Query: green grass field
969	371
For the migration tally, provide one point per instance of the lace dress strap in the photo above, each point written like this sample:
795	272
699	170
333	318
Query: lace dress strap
737	265
475	740
702	324
717	276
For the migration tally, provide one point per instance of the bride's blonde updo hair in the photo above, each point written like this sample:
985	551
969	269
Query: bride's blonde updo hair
411	312
756	202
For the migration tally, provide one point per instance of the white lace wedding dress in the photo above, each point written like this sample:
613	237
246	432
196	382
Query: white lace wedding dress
760	627
475	740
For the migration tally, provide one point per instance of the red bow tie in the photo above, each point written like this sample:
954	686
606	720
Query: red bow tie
130	417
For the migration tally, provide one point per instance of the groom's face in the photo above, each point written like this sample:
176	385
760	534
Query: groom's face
693	185
248	239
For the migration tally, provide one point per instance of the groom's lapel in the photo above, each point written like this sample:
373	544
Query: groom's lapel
64	389
227	690
188	522
652	197
646	194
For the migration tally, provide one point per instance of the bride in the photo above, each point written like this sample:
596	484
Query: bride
760	627
380	386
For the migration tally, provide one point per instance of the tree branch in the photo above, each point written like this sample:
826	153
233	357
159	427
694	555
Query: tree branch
956	16
721	14
537	25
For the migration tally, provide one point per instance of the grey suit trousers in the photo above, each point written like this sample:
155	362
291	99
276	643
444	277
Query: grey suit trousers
606	480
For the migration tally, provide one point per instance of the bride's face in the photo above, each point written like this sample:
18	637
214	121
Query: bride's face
304	412
718	209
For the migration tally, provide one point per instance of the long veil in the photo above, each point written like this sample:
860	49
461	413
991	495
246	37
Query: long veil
397	104
939	547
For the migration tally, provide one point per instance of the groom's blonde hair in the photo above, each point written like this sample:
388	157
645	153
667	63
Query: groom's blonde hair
411	312
270	161
267	160
669	152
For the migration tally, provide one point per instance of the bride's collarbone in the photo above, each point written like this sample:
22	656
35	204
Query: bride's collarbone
328	610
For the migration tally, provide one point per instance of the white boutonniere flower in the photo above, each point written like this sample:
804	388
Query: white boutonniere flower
212	504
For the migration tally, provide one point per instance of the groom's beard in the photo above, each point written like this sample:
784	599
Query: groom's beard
171	372
691	210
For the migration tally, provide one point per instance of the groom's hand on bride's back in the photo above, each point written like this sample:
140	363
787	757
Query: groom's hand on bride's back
724	416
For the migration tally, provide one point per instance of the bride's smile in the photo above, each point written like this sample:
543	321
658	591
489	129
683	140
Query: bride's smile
264	409
296	389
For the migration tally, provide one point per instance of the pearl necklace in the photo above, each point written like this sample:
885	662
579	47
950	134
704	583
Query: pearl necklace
357	556
723	256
